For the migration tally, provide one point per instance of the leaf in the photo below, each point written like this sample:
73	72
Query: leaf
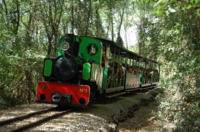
198	12
159	2
159	14
174	1
189	6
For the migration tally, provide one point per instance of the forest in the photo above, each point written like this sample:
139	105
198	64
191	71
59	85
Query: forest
167	31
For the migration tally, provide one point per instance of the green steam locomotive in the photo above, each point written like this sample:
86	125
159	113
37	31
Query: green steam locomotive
90	68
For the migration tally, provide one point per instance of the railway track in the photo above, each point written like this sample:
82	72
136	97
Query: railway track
28	121
34	119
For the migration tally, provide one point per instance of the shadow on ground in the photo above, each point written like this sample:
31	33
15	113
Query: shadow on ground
143	120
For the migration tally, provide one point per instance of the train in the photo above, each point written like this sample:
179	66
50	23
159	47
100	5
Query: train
91	68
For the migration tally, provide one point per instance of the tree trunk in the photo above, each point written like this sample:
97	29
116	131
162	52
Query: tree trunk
51	21
97	19
121	20
5	6
112	24
79	20
18	17
72	16
87	22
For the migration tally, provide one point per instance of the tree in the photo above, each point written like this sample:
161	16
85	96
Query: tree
179	36
51	20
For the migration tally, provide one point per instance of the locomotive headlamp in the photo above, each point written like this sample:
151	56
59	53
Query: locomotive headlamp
65	46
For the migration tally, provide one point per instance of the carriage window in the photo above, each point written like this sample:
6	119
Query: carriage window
92	49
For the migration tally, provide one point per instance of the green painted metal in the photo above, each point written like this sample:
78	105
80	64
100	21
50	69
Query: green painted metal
105	76
47	68
83	49
60	52
86	71
141	76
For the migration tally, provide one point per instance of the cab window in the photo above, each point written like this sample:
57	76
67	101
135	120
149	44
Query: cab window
92	49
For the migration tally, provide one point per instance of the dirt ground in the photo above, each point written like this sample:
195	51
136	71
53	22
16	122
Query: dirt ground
130	113
144	120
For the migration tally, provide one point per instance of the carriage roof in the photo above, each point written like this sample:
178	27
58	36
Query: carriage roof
108	42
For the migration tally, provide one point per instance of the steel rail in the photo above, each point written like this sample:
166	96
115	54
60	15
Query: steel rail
36	123
9	121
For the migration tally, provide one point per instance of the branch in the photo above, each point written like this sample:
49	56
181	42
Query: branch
6	10
18	16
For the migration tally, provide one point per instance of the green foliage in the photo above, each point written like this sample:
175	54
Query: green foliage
20	55
30	30
176	39
19	71
180	105
168	30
